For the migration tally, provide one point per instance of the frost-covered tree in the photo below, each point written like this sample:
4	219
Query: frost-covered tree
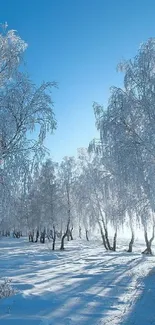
12	48
127	135
100	198
67	177
24	108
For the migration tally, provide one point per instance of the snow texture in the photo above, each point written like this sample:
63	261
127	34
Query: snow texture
83	285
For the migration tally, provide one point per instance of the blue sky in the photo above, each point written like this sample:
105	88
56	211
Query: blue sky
78	43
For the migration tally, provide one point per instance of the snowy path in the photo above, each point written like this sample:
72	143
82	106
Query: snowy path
83	285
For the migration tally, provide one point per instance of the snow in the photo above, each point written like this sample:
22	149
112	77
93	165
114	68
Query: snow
83	285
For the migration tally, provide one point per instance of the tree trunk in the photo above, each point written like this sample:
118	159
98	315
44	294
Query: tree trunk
42	237
54	238
131	242
103	237
106	232
71	233
68	235
148	249
62	241
31	236
153	235
107	239
79	232
114	241
37	236
65	235
87	235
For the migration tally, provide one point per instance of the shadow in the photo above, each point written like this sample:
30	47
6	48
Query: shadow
76	287
142	311
92	299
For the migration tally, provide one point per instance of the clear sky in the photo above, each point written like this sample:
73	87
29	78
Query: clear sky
78	43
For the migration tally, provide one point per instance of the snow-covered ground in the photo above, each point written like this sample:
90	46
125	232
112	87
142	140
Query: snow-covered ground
84	285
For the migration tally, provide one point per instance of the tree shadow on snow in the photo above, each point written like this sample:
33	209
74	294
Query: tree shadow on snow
84	295
143	310
92	297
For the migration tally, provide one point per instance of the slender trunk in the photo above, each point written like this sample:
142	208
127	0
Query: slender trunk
131	241
31	236
106	232
79	232
42	237
68	235
153	235
54	238
71	233
102	236
105	229
148	242
87	235
107	238
65	235
148	246
114	241
62	242
37	236
68	212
